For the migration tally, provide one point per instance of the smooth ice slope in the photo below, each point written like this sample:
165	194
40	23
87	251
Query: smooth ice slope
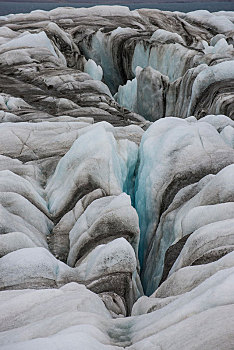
98	161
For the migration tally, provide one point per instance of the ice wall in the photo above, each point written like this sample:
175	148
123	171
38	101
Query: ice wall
93	70
194	148
145	94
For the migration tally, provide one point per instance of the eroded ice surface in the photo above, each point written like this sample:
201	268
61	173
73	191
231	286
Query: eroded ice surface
116	142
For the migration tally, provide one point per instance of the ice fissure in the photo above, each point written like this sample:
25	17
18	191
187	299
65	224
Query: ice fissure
116	180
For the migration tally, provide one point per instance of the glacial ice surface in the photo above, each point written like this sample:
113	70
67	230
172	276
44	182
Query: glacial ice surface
93	70
87	184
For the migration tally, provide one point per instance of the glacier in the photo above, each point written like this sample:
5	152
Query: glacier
116	179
